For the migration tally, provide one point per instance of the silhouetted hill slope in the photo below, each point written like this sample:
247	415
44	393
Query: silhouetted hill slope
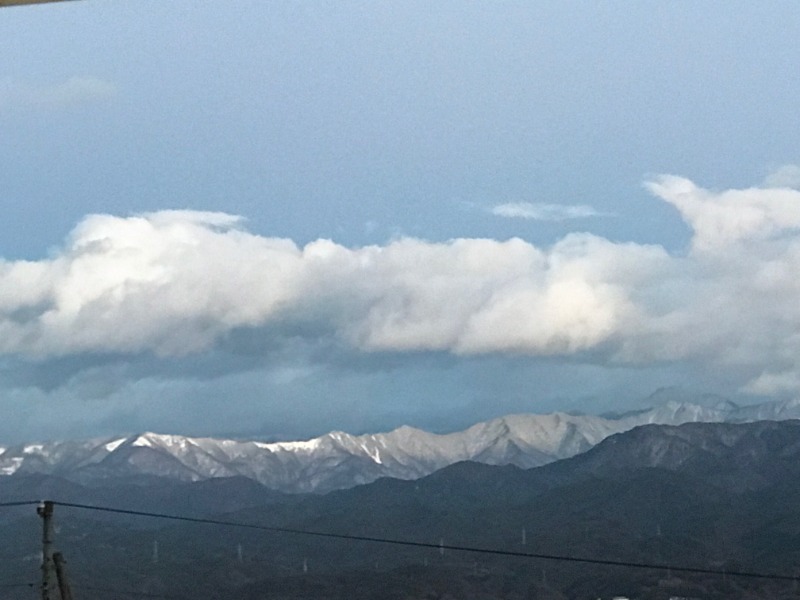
736	456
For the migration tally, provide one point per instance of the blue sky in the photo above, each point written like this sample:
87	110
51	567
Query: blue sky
309	207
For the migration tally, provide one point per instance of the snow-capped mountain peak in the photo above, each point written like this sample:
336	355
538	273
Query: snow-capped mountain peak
339	460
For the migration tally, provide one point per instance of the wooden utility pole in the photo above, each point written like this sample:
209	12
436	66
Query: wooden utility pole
45	510
61	574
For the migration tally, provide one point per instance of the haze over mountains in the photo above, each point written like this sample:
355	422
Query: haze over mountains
339	460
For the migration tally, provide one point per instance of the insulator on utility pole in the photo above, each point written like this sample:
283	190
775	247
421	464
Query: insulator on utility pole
441	546
155	552
45	511
239	553
61	574
524	537
305	565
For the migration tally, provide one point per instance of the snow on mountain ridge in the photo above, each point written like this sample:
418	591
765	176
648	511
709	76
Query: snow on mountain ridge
337	459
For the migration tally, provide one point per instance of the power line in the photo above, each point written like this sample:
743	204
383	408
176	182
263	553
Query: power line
438	546
20	2
19	503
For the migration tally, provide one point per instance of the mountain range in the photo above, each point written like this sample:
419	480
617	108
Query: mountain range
340	460
718	497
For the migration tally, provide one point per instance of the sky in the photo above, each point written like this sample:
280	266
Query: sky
277	219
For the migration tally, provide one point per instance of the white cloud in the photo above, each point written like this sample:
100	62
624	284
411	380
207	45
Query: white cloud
180	282
545	212
769	383
786	176
73	91
723	218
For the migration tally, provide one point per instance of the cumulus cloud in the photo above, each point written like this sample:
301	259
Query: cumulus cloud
174	283
73	91
720	219
545	212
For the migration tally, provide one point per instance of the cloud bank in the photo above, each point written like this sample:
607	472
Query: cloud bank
174	283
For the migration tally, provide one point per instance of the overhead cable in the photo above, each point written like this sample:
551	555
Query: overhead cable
19	503
439	546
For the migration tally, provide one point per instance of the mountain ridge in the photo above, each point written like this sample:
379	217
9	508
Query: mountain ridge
718	496
339	460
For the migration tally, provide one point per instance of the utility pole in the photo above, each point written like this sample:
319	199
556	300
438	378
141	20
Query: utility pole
45	510
61	574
